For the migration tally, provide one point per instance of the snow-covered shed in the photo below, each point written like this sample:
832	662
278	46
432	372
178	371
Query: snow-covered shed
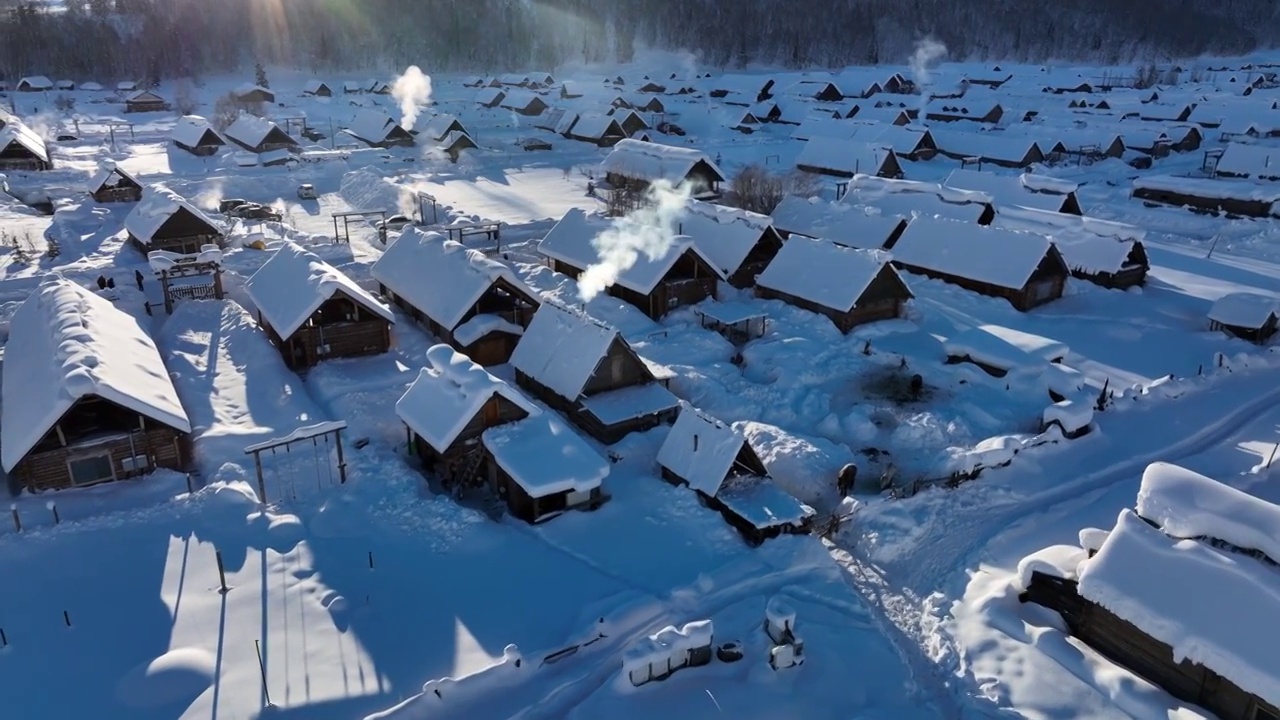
476	305
1235	197
879	114
1248	316
438	127
1028	190
1009	150
250	93
912	143
718	463
683	275
842	223
34	83
454	143
490	97
846	158
112	184
636	165
144	101
543	468
1183	591
912	198
67	85
848	285
164	220
258	135
313	312
317	88
1249	161
523	102
954	109
22	149
1104	252
85	395
378	129
630	121
587	370
597	129
814	89
195	135
1024	268
745	90
739	243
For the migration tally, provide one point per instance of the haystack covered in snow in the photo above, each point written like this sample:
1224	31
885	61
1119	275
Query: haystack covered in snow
476	305
377	129
1027	190
635	165
739	243
719	464
683	275
258	135
850	286
1248	316
846	158
22	149
195	135
143	101
585	369
313	312
472	430
113	184
1182	591
164	220
911	198
86	397
841	223
1024	268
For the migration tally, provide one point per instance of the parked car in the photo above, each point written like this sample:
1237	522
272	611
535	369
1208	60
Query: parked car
306	191
670	128
254	211
394	223
229	204
530	144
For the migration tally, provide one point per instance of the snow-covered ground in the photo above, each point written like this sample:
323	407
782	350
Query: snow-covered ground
343	600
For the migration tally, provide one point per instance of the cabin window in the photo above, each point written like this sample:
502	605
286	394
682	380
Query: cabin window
91	469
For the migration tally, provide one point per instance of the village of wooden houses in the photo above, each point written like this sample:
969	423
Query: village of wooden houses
877	393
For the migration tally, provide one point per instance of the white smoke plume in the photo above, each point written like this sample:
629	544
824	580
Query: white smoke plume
650	230
413	91
928	51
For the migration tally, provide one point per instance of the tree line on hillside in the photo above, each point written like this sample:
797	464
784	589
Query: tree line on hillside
155	39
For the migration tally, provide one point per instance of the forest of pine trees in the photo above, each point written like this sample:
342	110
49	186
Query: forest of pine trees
154	39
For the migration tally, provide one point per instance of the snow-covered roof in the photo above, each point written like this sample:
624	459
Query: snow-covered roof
190	130
561	349
1058	224
1186	504
1216	608
440	277
760	501
17	132
1244	309
164	260
91	86
545	457
250	88
1250	161
700	450
437	126
1206	188
887	114
847	157
955	107
1038	346
823	272
1000	257
1026	190
983	347
595	126
314	86
66	343
839	222
520	99
125	85
986	145
36	82
628	403
572	241
489	95
371	126
252	130
448	393
654	161
143	96
157	205
725	235
105	172
294	282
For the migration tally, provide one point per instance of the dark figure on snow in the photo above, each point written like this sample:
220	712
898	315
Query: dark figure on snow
102	282
846	479
111	283
137	277
591	189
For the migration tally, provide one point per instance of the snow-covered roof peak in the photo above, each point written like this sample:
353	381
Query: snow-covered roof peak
157	205
294	282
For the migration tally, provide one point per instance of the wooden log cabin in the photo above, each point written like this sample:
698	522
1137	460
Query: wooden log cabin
22	149
1024	268
740	244
683	276
195	135
313	312
586	370
720	465
164	220
259	135
849	286
473	431
1106	253
634	165
476	305
86	396
139	101
113	184
1126	594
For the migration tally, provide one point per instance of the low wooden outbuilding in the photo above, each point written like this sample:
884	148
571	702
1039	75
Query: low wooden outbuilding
849	286
597	129
490	97
846	158
1039	192
22	149
1248	316
34	83
195	135
258	135
1105	253
438	127
454	143
586	370
86	398
313	312
377	129
317	88
523	102
1234	197
112	184
1000	149
1024	268
250	93
144	101
954	110
476	305
164	220
740	244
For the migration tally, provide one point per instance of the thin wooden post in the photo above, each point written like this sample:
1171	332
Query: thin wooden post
257	465
266	694
222	573
370	559
66	617
54	507
342	463
4	639
1273	453
17	521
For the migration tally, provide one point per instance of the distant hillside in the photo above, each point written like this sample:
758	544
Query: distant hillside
139	38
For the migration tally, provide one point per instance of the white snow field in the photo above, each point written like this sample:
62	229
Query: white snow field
989	442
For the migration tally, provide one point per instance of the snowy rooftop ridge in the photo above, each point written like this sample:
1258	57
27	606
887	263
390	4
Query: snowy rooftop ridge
66	343
191	129
370	125
864	183
1009	190
1001	257
700	449
841	223
1244	309
157	205
294	282
251	129
562	347
440	277
1185	504
18	132
544	456
824	272
653	161
724	235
